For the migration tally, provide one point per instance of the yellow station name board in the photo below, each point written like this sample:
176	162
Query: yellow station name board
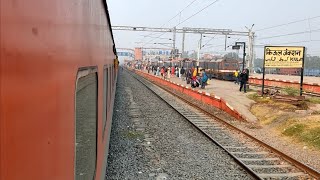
283	57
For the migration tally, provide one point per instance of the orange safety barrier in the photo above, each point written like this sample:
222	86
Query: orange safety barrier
197	95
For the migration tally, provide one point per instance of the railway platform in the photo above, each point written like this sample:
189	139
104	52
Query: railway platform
229	91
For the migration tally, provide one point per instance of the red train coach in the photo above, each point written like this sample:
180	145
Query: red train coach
221	68
224	68
57	86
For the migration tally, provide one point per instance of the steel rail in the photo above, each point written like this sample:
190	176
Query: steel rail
249	170
305	168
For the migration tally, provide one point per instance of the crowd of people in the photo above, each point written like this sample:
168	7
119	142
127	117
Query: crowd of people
189	75
195	79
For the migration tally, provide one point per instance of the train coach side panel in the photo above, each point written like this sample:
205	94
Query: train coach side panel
43	44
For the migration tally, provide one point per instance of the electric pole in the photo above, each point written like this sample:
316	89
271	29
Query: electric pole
199	49
183	38
250	63
174	44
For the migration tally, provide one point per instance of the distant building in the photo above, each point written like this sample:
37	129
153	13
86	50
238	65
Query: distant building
208	56
138	53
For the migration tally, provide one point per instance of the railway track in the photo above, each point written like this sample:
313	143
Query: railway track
259	159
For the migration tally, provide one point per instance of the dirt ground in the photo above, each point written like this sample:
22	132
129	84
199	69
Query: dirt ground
295	129
300	122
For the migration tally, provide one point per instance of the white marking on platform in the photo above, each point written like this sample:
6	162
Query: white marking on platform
229	106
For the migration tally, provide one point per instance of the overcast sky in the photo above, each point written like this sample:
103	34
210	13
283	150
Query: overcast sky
224	14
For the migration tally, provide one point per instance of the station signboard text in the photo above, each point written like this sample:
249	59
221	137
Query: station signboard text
283	56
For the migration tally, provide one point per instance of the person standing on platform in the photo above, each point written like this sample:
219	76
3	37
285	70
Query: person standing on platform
168	72
204	79
182	71
162	71
243	80
236	75
165	74
188	76
177	71
158	69
194	73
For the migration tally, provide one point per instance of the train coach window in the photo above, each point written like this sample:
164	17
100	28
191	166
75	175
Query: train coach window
226	64
86	124
105	99
109	87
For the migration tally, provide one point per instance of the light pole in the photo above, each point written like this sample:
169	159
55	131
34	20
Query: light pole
237	46
225	42
199	49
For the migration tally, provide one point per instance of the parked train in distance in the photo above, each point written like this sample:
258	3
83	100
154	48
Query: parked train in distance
223	68
58	72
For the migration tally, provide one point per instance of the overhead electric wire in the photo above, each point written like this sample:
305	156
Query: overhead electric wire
186	19
198	12
289	42
209	40
279	25
290	34
222	44
175	16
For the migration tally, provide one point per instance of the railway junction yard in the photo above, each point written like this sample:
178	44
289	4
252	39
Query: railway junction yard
289	130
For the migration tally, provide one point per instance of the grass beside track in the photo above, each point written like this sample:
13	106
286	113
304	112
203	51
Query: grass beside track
300	123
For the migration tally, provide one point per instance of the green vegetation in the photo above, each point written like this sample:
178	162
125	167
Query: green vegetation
257	98
314	100
253	96
312	137
291	91
286	120
304	133
294	130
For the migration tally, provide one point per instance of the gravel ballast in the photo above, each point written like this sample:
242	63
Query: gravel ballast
150	140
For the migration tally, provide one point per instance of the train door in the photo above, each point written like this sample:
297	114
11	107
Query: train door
86	123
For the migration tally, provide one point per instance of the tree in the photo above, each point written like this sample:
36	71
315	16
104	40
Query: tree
193	55
232	55
258	63
312	62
